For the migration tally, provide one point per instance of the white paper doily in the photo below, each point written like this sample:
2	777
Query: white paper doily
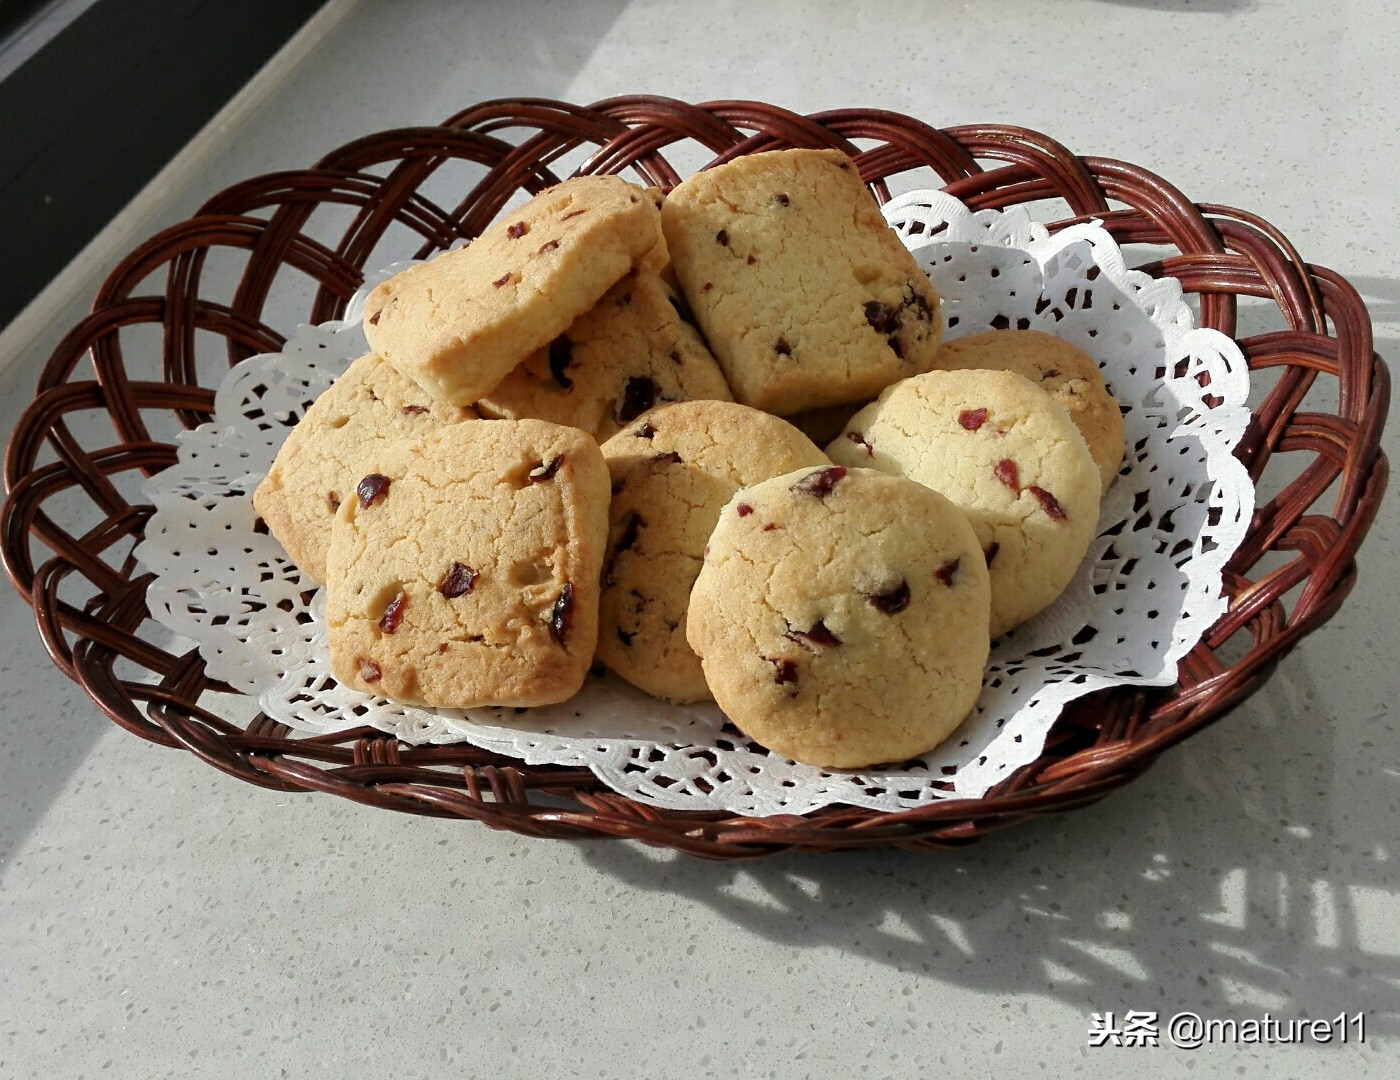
1146	592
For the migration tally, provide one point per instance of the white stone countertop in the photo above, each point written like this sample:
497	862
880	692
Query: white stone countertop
160	919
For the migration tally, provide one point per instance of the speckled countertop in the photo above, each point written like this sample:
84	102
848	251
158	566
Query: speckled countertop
158	918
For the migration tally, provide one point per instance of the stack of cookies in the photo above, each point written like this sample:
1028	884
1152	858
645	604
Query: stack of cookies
589	435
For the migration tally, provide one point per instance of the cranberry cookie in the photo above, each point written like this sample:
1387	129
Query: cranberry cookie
672	470
1008	456
805	294
841	616
459	322
363	413
465	571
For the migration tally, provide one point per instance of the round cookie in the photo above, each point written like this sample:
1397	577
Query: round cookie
1067	374
672	470
458	323
1008	456
840	616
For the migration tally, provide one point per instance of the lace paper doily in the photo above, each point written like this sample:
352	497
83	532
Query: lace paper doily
1144	595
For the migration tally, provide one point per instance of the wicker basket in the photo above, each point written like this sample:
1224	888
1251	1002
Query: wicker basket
71	519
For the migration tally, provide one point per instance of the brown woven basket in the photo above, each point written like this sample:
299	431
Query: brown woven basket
73	512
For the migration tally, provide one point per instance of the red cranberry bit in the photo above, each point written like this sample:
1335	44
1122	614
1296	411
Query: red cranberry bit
781	347
707	286
548	246
781	199
634	524
371	489
393	614
892	602
1008	474
1050	374
561	355
882	318
646	431
516	231
972	419
374	319
637	398
784	671
751	260
503	280
369	671
333	501
1048	503
546	470
743	509
458	581
946	572
991	552
722	238
817	637
819	482
562	617
442	647
860	440
415	410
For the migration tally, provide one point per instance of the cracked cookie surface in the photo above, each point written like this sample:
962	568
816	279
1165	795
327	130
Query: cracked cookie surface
1008	457
804	293
841	616
630	352
354	421
1067	374
458	323
465	572
672	470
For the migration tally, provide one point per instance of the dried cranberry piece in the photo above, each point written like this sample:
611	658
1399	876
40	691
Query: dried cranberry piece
860	440
562	617
517	230
374	319
722	238
882	318
546	470
972	419
369	671
393	614
1050	374
333	501
637	398
1008	474
415	410
707	286
743	509
1048	503
458	581
646	431
892	602
502	281
819	482
991	552
372	489
781	199
784	671
751	260
945	573
634	524
781	347
561	355
818	636
549	245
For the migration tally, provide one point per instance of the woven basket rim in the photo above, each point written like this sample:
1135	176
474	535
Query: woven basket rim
1314	525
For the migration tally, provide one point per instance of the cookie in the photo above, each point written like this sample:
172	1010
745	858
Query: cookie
1008	456
672	470
806	296
458	323
1065	373
841	616
630	352
465	573
348	427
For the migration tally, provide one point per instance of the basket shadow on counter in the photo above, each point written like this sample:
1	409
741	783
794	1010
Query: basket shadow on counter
1214	883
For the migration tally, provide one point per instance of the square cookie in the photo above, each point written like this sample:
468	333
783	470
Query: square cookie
466	572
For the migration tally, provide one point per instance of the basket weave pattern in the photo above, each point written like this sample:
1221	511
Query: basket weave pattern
70	522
